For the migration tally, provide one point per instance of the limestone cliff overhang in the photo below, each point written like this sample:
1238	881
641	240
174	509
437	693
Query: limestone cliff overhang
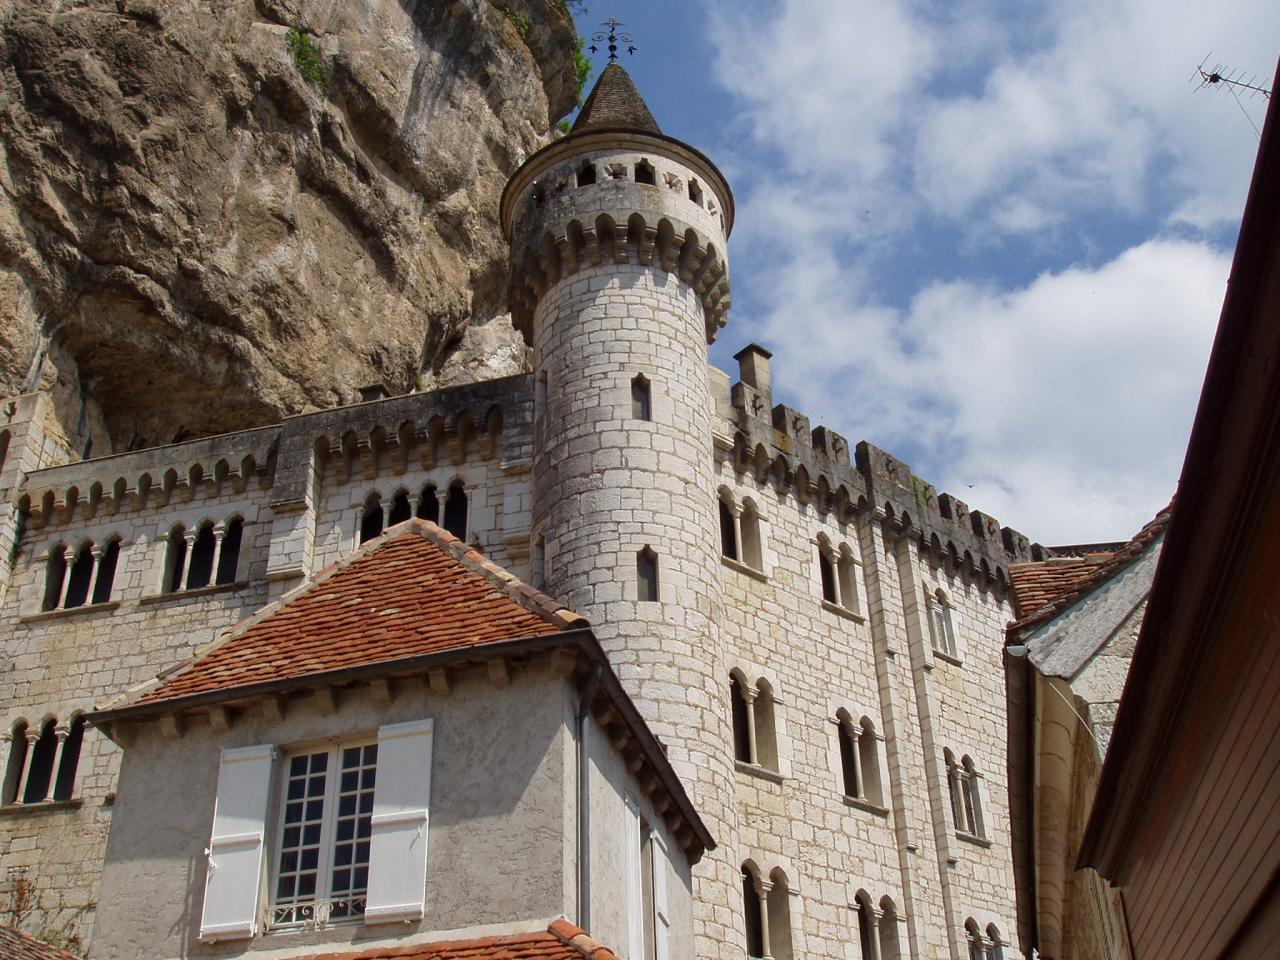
604	139
1081	606
414	603
1209	638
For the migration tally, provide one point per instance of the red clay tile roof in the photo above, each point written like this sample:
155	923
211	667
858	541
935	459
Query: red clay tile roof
560	941
18	946
1043	590
415	590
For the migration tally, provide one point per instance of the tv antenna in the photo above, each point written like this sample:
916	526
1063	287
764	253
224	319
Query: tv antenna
613	37
1241	85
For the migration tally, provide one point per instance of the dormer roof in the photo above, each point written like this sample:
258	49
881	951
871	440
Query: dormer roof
615	104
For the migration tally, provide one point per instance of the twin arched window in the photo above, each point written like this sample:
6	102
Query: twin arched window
859	759
209	554
983	946
877	928
838	574
964	791
740	531
766	908
42	761
376	516
755	739
85	577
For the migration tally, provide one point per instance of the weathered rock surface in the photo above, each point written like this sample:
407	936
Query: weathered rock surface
194	238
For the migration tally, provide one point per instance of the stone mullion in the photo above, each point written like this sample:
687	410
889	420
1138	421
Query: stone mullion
762	891
749	695
32	739
189	537
60	734
219	532
876	916
67	563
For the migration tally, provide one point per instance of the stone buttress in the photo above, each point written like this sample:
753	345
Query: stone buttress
619	282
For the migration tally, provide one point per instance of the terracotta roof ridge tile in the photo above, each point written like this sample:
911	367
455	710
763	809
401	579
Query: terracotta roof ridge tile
574	936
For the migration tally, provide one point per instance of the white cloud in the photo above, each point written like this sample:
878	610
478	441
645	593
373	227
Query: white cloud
867	131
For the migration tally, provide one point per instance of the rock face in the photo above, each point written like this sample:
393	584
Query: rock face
195	237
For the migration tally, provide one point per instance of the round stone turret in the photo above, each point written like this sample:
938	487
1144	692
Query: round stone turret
619	282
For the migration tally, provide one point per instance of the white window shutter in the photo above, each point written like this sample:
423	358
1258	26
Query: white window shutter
235	846
635	882
661	916
401	801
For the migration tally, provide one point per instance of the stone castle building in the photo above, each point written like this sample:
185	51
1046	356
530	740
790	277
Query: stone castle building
812	633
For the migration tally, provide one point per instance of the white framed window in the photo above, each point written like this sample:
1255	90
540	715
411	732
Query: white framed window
348	841
326	812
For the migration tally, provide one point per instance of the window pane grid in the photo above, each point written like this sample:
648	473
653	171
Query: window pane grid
322	872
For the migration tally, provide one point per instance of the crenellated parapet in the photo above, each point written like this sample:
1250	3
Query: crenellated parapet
618	197
362	442
776	444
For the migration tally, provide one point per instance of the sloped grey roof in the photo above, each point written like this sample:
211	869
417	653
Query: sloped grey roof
615	104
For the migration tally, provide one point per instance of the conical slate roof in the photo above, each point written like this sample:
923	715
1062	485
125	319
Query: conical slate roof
615	104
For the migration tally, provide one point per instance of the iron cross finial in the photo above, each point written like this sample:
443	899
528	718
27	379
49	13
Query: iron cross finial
613	37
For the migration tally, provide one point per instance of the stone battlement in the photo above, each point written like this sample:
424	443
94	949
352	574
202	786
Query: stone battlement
778	445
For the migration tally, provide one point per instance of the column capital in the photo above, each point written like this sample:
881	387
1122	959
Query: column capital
33	737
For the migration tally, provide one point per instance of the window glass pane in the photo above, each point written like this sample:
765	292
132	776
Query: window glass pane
352	828
300	836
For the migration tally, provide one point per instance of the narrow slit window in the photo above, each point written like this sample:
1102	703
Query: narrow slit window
750	551
201	572
646	575
176	559
741	722
751	910
55	574
429	504
17	762
401	509
106	572
848	759
80	578
827	573
40	770
455	510
372	519
65	781
728	533
641	399
229	555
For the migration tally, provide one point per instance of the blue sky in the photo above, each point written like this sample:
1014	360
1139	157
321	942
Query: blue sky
990	237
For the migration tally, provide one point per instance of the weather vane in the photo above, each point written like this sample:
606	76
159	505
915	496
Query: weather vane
613	37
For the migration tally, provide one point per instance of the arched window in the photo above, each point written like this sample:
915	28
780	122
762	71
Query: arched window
55	572
890	949
65	782
401	510
752	913
760	709
827	574
455	510
728	531
941	631
80	578
229	553
995	943
742	723
847	570
779	906
175	559
200	571
16	764
641	398
749	522
849	760
646	575
4	448
972	799
867	933
107	571
869	762
973	939
587	174
371	519
645	173
429	504
40	765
